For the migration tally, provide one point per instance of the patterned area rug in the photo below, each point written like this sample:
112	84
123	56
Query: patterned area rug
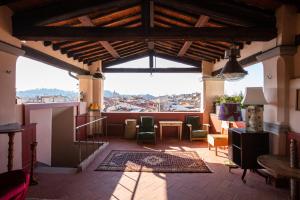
153	161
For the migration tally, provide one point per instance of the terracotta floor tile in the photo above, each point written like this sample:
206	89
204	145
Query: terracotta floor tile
103	185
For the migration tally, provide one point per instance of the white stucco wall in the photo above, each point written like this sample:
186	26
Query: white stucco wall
43	118
294	114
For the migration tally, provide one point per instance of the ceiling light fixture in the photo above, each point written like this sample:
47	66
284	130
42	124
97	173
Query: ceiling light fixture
232	70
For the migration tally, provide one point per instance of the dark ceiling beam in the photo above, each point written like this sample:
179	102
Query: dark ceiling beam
230	13
83	49
148	19
154	70
297	40
228	34
45	58
86	21
57	46
200	23
181	60
62	10
47	43
4	2
123	60
65	50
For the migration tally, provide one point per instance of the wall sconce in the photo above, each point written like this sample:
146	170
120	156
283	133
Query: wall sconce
7	71
268	76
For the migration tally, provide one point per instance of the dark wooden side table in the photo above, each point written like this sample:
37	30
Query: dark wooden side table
244	148
10	130
279	166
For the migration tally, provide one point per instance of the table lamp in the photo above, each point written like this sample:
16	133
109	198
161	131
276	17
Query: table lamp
254	99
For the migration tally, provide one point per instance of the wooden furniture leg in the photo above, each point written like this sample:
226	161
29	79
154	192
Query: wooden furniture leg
216	150
243	176
33	148
10	151
160	132
293	189
180	132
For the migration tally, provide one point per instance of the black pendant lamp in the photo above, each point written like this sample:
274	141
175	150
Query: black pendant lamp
232	70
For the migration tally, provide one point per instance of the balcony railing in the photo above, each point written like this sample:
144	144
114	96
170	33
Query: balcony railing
92	133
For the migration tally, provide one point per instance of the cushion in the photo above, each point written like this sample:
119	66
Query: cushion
146	135
194	121
147	124
199	133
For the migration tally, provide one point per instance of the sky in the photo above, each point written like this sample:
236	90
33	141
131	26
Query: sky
33	74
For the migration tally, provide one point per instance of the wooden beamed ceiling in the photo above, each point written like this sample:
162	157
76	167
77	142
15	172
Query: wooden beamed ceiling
119	31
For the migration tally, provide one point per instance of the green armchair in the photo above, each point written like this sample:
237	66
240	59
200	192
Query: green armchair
196	130
146	131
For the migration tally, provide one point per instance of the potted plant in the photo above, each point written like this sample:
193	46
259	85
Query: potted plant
230	99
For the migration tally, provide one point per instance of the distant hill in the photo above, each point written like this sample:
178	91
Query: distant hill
57	92
46	92
109	94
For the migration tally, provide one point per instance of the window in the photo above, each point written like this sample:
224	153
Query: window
254	78
37	82
141	92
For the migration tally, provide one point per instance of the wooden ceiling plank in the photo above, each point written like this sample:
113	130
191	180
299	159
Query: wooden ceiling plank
179	60
175	14
207	50
171	21
227	34
126	59
124	22
88	58
60	11
85	20
85	49
229	12
160	24
200	23
135	48
76	46
207	53
134	52
110	18
198	57
99	52
204	54
128	45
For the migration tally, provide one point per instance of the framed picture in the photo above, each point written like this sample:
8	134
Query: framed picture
298	99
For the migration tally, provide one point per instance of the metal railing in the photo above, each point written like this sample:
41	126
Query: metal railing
91	134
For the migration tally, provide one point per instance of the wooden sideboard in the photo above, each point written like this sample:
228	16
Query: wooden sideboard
244	148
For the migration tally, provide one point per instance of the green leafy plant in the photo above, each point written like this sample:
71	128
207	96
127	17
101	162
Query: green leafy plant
229	99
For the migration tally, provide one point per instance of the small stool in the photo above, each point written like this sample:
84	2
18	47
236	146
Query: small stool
217	140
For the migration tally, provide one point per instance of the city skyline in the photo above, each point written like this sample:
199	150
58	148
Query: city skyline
156	84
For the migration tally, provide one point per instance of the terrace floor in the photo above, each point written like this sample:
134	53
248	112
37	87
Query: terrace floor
134	185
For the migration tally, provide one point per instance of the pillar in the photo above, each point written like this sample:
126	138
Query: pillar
98	85
211	88
9	53
92	88
86	88
278	69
